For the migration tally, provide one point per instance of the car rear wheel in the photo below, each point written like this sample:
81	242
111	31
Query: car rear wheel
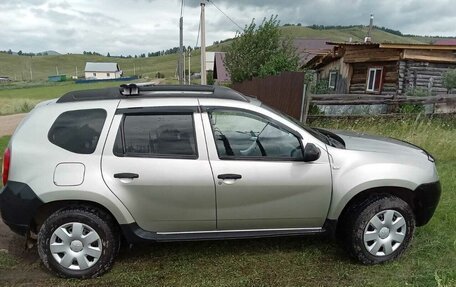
78	243
379	229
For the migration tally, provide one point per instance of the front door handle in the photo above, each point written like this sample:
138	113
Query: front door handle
126	175
229	176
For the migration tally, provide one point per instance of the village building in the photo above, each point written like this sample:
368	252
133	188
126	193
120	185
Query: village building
374	68
102	71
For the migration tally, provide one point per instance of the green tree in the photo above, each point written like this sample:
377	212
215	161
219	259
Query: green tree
449	80
260	51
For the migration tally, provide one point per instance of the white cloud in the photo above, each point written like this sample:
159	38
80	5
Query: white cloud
141	26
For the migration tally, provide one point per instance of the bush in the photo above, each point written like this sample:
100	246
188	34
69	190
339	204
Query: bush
449	80
260	51
321	87
159	75
417	92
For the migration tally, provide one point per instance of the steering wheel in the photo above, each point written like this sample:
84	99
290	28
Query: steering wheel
294	152
251	148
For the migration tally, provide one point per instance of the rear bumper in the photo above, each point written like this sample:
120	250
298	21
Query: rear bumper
18	205
427	197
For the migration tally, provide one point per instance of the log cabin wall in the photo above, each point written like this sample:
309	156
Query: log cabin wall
343	75
390	76
421	74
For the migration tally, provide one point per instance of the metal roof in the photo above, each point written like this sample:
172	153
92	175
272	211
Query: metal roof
101	67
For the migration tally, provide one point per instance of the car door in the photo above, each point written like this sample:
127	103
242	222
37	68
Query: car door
155	161
261	180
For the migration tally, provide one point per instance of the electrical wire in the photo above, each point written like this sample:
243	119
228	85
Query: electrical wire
232	21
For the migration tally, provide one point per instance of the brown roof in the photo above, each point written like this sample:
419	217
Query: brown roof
309	48
445	42
397	45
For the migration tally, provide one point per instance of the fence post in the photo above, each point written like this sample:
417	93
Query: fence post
306	98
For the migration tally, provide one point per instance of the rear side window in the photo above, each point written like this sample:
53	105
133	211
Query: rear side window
78	131
156	135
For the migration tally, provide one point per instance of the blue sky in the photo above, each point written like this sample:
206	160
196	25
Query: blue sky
140	26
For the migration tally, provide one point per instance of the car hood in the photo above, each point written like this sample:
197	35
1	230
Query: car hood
365	142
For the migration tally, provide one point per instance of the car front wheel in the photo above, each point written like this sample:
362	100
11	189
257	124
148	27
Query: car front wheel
379	229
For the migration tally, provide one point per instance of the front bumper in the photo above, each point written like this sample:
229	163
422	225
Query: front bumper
18	205
427	198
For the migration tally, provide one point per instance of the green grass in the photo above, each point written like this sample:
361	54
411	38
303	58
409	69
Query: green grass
309	261
18	67
21	100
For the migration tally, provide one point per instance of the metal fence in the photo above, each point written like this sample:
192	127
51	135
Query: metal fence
284	92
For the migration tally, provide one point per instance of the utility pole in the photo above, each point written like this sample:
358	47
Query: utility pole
189	66
57	70
31	72
203	43
76	72
183	70
180	69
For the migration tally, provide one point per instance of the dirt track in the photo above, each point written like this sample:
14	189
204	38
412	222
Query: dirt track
9	123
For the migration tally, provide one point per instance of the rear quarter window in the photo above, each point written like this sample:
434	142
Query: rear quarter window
78	131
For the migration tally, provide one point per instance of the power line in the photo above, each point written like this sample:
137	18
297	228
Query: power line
232	21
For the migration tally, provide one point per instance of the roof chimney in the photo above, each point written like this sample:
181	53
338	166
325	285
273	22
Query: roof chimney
368	38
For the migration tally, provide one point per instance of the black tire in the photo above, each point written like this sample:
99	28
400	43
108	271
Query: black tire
357	219
96	219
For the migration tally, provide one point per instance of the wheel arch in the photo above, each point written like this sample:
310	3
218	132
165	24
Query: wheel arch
45	210
407	195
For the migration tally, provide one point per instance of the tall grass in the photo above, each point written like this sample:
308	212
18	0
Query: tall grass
435	134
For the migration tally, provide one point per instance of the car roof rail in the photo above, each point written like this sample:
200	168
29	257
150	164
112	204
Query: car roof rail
151	90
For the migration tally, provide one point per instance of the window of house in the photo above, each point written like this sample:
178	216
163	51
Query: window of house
374	79
332	80
107	74
94	74
244	135
78	131
156	135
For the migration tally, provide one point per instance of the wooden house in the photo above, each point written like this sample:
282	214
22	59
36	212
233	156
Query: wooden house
374	68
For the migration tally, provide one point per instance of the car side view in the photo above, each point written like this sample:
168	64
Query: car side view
172	163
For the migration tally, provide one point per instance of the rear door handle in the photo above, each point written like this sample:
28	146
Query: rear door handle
229	176
126	175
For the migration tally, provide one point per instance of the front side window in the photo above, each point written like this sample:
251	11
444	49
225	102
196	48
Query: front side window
245	135
374	79
156	135
78	131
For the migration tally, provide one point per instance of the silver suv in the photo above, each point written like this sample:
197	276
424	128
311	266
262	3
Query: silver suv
172	163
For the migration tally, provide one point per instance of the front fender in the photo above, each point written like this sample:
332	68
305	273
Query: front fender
354	172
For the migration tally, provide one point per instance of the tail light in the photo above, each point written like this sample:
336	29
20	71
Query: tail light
6	165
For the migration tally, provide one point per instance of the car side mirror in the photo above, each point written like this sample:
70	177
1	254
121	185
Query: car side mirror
311	152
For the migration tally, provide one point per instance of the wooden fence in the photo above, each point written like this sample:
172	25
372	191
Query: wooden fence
287	92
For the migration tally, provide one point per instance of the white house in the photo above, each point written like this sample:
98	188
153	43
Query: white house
102	71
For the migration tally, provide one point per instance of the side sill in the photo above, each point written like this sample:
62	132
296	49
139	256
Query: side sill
135	234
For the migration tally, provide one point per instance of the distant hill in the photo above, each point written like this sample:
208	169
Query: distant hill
356	33
18	67
50	53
